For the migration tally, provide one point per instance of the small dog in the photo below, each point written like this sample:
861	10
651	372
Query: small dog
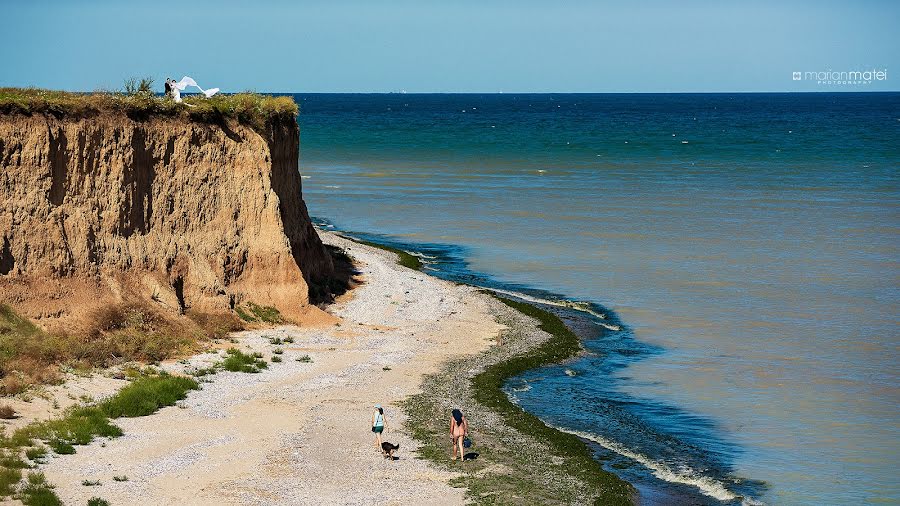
387	449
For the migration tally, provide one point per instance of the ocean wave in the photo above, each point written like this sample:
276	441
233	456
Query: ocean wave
584	307
423	256
685	475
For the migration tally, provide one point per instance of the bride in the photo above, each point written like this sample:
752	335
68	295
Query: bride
174	89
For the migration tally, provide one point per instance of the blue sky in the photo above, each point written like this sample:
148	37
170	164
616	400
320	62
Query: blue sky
450	46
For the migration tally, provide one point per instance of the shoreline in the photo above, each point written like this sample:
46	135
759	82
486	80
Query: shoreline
531	338
652	480
537	462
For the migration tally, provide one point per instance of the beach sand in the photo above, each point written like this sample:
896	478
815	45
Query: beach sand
299	432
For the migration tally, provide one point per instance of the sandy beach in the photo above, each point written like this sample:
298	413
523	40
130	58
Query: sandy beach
299	432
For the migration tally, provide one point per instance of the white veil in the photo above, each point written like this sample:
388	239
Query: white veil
189	81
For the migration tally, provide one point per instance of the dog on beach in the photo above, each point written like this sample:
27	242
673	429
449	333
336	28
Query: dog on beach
387	449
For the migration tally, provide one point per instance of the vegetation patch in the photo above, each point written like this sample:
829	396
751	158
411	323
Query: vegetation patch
254	313
146	395
304	359
122	333
96	501
238	361
38	492
9	478
403	258
244	315
139	102
265	314
36	453
79	426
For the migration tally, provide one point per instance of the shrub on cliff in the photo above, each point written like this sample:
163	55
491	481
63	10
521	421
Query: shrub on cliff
252	109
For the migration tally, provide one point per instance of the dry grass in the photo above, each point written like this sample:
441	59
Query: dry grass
122	333
249	108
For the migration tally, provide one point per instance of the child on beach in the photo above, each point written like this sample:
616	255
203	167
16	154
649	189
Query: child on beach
459	429
378	424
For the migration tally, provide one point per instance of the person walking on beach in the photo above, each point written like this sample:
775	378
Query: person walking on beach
378	423
459	429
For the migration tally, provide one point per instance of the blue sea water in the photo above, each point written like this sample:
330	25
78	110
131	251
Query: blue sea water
745	246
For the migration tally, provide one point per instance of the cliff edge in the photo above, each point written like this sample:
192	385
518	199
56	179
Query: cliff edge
164	211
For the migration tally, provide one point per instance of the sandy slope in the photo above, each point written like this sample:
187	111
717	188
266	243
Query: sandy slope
299	432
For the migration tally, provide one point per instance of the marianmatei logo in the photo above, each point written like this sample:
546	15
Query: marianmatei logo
851	77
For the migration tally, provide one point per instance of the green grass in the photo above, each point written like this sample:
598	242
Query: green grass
256	313
304	359
78	426
205	371
146	395
61	447
265	314
243	315
9	478
96	501
81	424
38	492
12	461
91	483
249	108
27	355
237	361
403	258
36	453
120	478
276	359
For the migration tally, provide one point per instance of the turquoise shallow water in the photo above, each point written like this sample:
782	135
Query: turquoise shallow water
747	244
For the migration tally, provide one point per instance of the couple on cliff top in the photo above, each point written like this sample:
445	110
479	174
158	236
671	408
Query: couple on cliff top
174	88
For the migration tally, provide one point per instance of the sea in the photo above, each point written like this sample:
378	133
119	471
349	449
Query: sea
730	262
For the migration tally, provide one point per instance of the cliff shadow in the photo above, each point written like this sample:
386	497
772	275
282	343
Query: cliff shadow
324	290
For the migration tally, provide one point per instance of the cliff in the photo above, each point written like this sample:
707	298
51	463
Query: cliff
164	211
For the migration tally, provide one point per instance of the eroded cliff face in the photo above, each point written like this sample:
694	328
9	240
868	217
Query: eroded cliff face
179	215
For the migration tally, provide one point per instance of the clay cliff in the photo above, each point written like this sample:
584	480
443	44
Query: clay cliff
168	212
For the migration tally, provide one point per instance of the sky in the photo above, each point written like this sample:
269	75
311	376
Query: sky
451	46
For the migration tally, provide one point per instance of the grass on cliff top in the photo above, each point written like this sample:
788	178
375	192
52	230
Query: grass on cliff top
250	108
